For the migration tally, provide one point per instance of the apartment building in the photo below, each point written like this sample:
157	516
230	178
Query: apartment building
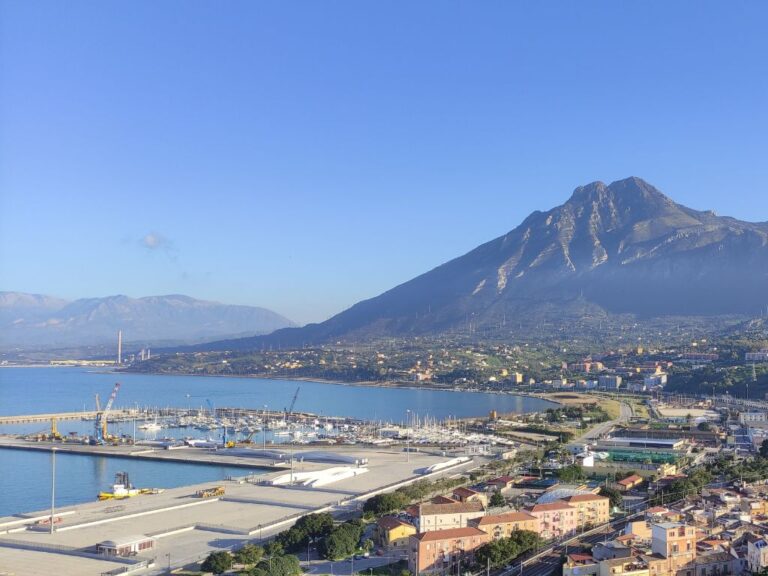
503	525
444	551
590	508
447	516
556	519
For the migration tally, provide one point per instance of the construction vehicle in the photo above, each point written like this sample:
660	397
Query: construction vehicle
100	435
213	492
54	435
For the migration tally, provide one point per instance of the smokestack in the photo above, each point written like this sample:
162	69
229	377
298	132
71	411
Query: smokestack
149	353
119	347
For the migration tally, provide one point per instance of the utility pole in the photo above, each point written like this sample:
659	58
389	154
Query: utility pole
53	485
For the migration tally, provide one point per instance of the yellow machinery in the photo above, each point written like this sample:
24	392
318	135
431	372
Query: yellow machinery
210	492
54	430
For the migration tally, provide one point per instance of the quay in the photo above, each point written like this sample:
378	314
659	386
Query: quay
80	415
185	528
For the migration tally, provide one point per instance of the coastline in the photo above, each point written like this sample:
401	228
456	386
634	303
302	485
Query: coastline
361	383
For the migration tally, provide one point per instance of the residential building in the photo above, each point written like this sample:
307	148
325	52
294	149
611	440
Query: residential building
501	484
757	555
591	509
447	516
747	418
463	494
392	533
580	564
503	525
761	356
609	381
632	566
629	483
676	543
444	551
556	519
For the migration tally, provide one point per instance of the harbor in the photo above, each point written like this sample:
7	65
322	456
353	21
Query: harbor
186	523
208	464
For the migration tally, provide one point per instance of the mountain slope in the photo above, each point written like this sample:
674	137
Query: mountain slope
43	321
618	248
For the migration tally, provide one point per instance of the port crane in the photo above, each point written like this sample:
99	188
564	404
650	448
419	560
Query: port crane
100	425
293	402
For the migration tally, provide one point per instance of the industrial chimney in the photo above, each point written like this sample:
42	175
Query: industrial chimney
119	347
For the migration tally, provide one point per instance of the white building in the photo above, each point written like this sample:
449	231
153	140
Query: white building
757	555
747	418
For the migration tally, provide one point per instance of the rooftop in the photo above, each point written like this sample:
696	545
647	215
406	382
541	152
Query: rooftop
450	534
450	508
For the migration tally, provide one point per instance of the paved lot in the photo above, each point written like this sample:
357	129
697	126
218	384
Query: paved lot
21	562
251	505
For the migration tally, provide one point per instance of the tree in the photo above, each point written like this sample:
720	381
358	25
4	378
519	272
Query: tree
315	525
385	503
497	500
572	473
249	554
342	541
217	562
764	449
505	550
281	566
615	497
704	426
274	548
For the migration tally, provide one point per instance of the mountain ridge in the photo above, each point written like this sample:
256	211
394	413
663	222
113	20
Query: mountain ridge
45	321
619	248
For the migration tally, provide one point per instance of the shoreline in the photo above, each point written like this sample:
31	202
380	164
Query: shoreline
360	384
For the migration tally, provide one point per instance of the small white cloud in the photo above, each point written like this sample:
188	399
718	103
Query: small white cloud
155	241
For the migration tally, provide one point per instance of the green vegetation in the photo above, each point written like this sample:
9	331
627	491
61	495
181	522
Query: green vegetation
249	554
588	414
342	541
571	474
217	562
385	503
309	527
277	566
734	380
497	500
505	550
615	497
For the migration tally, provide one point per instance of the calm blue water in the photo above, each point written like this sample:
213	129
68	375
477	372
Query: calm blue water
46	390
25	476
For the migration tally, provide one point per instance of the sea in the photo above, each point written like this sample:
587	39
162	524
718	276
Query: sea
25	476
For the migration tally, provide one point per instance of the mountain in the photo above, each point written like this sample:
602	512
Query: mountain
623	248
33	320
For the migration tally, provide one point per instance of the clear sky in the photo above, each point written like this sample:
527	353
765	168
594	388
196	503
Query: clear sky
305	155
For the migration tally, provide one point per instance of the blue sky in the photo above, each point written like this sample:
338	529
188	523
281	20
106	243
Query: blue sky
305	155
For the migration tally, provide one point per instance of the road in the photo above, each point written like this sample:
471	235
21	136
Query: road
625	413
551	562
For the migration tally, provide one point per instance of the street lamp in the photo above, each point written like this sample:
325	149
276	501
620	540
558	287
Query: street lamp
264	428
407	436
53	485
168	555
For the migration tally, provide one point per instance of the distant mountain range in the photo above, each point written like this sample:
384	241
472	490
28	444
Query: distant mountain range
33	320
623	248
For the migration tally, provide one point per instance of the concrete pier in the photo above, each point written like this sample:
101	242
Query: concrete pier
187	528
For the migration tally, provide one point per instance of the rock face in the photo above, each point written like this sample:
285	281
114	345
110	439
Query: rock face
619	248
32	320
